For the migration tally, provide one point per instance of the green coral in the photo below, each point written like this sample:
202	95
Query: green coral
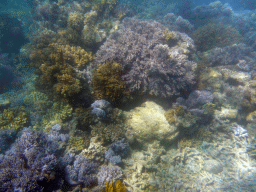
13	118
215	35
79	143
38	100
58	113
109	132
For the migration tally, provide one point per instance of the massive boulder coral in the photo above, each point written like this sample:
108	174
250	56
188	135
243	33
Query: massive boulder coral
152	63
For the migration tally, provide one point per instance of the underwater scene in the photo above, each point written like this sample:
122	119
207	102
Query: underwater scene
127	96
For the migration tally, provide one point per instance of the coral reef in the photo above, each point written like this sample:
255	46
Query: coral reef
58	64
29	162
109	173
176	23
115	187
117	151
215	35
7	137
149	65
13	118
81	172
191	113
148	123
107	83
101	108
109	132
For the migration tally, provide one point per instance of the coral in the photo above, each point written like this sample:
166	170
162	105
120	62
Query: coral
105	6
85	118
29	161
79	143
118	150
149	65
109	173
13	118
215	35
230	55
7	137
81	172
76	21
57	64
107	83
109	132
149	123
115	187
198	98
37	101
101	109
176	23
58	113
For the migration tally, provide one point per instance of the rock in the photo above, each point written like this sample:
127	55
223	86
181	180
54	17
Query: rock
213	166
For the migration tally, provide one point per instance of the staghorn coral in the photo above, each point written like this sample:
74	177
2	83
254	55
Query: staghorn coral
13	118
149	65
215	35
107	83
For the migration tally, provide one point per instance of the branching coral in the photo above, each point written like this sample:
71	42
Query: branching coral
13	118
57	64
150	66
108	84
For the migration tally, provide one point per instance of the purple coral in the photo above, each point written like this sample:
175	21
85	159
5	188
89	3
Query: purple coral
108	173
29	161
150	66
81	172
117	151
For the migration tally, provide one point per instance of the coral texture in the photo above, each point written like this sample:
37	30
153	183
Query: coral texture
117	151
149	65
81	172
30	160
108	84
215	35
109	173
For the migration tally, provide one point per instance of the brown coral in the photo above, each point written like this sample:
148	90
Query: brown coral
215	35
108	84
57	64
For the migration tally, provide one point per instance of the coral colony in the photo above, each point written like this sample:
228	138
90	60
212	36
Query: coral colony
115	96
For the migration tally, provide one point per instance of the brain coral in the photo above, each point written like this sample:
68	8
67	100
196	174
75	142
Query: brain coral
150	64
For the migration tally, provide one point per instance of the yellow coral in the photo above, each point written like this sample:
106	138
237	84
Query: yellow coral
75	20
58	113
169	36
78	143
13	118
108	84
115	187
